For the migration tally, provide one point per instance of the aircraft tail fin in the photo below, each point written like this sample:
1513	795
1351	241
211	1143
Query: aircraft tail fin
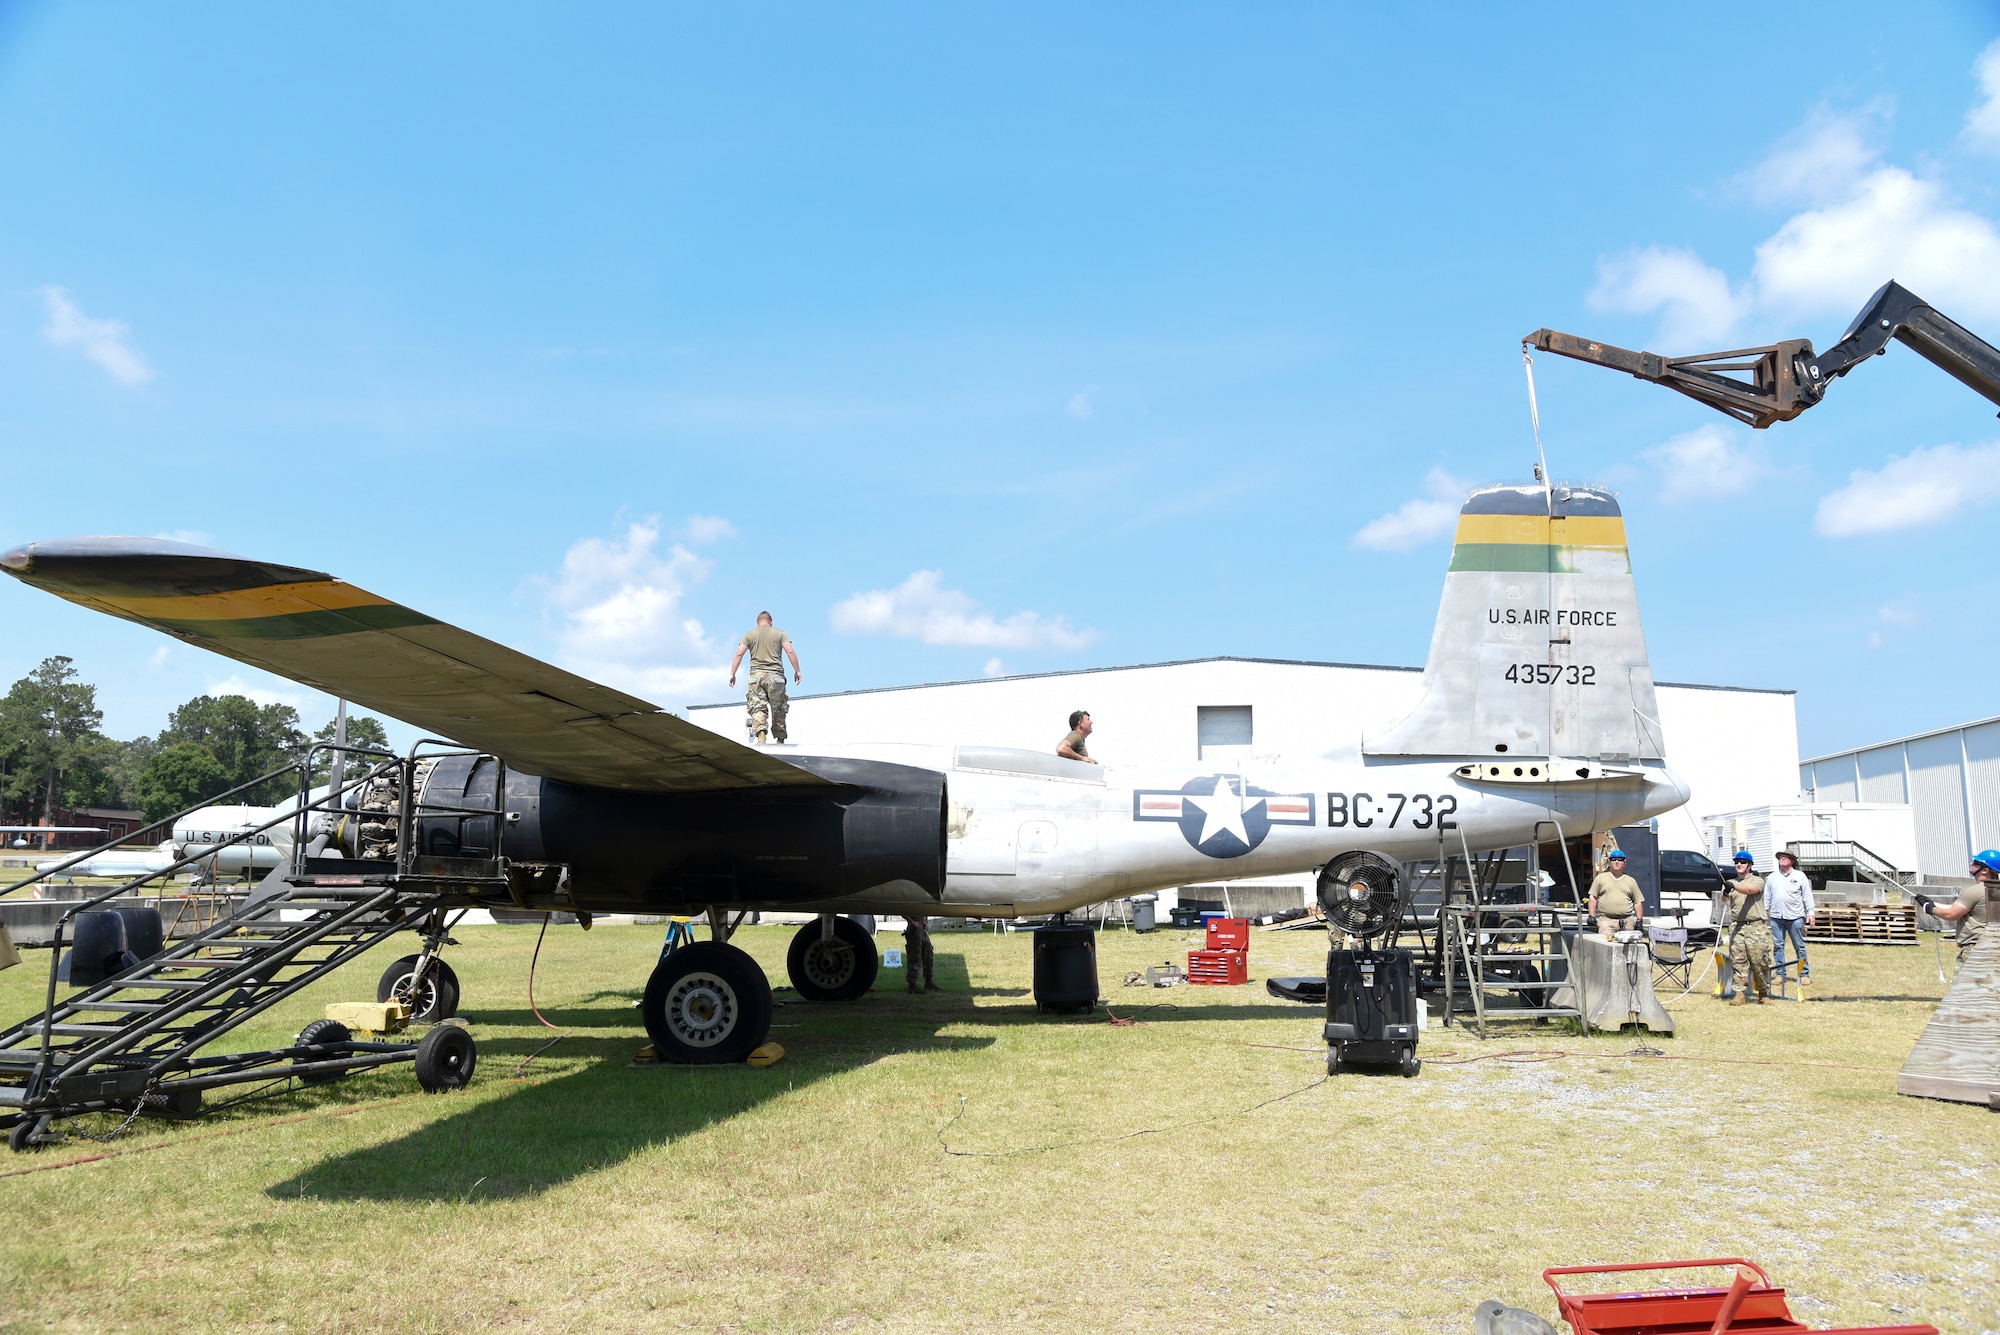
1538	649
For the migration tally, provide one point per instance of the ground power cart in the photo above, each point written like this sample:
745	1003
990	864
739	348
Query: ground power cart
1371	1010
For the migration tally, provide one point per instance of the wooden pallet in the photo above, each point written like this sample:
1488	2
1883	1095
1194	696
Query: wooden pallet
1865	924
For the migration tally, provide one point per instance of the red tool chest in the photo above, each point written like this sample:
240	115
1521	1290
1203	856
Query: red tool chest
1229	934
1218	968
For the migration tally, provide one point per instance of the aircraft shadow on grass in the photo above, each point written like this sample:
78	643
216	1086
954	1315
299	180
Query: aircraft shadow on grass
549	1131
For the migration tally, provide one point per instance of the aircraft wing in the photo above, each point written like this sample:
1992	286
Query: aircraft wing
350	643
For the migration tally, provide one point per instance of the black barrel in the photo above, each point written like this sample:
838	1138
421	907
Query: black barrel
98	948
145	934
1065	967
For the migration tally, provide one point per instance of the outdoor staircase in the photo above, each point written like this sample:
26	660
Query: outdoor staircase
1844	860
134	1036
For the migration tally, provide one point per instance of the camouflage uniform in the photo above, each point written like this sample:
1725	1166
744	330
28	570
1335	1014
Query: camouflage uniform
917	954
1750	942
766	699
768	704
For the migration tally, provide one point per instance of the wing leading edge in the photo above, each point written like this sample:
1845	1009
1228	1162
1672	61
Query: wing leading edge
328	634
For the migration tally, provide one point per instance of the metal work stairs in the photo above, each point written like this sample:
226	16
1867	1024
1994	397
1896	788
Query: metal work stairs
1829	855
1511	949
134	1036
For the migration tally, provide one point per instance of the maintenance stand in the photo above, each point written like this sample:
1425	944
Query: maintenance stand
128	1039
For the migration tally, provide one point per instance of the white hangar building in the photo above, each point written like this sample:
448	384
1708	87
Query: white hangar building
1950	778
1736	747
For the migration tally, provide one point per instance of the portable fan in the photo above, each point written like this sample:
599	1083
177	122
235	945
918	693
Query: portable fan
1361	895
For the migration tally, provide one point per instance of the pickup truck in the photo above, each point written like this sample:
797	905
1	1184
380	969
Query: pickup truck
1690	882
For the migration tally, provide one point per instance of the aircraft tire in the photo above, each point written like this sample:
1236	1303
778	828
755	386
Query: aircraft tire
707	1004
439	997
840	970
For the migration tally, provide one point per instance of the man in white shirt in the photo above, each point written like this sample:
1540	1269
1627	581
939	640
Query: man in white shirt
1789	897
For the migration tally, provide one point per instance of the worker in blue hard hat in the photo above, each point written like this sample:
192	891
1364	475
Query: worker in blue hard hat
1615	898
1749	934
1969	909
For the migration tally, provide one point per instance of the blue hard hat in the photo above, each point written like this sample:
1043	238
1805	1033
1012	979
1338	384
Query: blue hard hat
1989	858
1617	855
1744	856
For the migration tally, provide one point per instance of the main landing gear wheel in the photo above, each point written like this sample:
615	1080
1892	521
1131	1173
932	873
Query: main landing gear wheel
837	970
707	1004
434	999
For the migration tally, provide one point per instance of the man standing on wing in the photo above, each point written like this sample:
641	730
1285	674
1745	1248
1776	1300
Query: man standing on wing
767	701
1789	897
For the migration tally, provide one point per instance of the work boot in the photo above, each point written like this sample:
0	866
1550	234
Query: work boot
1740	999
930	986
762	737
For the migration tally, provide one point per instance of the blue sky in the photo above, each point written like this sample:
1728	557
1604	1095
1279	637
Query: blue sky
992	338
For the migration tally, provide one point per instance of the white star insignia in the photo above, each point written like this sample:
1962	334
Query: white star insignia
1222	812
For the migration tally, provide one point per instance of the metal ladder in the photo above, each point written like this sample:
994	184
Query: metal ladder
1483	954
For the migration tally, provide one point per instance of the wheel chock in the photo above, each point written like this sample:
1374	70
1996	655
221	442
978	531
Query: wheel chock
648	1058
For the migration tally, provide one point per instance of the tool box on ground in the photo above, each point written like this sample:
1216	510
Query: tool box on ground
1750	1303
1226	961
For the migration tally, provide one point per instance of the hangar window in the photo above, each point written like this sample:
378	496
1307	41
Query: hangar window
1221	730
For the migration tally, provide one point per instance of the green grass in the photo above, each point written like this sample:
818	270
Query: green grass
817	1194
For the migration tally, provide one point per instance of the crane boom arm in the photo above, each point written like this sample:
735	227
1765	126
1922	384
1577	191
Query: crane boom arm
1778	381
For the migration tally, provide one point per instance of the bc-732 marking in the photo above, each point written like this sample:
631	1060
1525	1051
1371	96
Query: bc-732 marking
1361	810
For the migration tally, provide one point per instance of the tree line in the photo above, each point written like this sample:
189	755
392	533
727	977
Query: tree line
53	756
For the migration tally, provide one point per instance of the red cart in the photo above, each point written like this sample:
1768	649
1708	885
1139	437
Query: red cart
1751	1305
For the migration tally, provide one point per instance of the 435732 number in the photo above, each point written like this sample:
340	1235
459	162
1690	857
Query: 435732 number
1361	810
1552	674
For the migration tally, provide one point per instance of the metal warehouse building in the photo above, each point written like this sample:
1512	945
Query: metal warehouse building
1736	747
1950	778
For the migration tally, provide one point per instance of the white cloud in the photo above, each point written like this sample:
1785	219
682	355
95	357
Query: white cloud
1902	613
1925	486
1417	522
1875	640
995	668
1706	464
158	658
1982	123
623	622
102	341
1698	304
1825	155
1892	224
1864	223
702	530
1083	403
236	685
920	609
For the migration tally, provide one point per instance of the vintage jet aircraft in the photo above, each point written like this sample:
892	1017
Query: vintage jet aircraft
1537	721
